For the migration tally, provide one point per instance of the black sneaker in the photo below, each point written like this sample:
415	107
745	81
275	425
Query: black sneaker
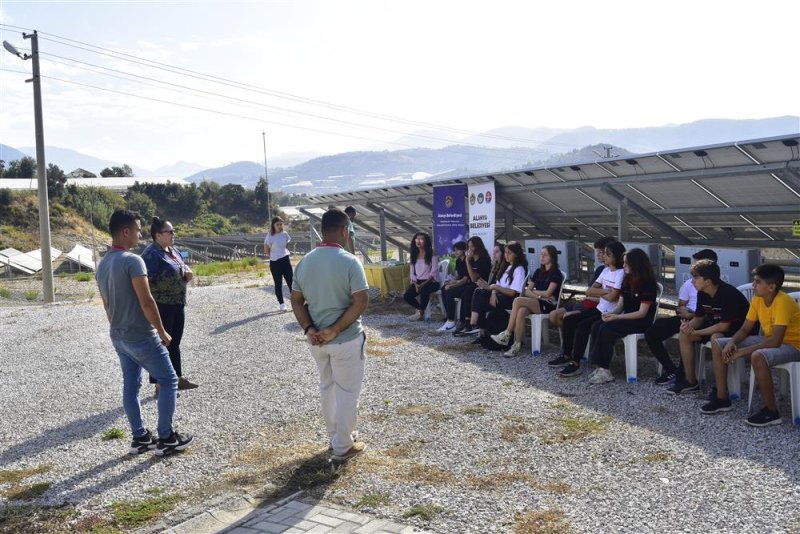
561	361
142	444
712	393
174	443
471	330
479	340
765	417
570	370
460	327
681	385
716	406
667	378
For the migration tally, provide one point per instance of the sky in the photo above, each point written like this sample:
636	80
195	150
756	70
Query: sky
151	83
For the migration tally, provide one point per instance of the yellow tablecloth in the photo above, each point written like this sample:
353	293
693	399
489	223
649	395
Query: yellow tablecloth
388	279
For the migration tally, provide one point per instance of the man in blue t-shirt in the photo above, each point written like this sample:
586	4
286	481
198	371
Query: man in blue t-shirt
138	335
329	294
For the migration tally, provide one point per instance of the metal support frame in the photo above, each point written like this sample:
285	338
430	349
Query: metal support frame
530	217
676	236
359	241
384	252
391	217
622	220
509	225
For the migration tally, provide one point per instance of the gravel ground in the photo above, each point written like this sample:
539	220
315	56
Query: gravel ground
486	439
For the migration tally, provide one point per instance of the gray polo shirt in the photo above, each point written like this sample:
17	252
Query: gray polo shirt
328	277
114	274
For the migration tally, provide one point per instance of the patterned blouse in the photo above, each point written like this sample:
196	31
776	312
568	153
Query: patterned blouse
165	274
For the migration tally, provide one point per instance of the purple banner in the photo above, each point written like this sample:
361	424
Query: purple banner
449	217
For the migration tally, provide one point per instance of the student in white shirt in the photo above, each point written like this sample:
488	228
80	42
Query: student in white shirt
279	264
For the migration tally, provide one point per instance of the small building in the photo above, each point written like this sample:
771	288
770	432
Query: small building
81	173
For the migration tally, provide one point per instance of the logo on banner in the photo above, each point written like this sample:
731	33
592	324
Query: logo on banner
448	201
472	199
488	197
480	198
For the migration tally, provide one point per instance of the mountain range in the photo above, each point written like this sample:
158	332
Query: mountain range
499	149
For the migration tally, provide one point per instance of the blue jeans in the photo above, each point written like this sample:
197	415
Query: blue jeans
152	356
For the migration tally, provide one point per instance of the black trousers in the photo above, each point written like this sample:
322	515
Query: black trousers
281	269
605	335
466	301
575	332
173	318
481	305
450	295
661	330
424	294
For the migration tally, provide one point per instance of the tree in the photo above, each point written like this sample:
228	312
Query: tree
2	167
56	180
119	172
22	168
262	192
141	202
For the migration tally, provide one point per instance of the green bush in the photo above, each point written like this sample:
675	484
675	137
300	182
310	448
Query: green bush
6	197
5	292
83	277
31	294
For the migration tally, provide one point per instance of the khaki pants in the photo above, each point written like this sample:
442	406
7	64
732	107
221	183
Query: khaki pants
341	373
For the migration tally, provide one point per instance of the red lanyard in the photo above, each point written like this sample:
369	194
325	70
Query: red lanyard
117	247
329	244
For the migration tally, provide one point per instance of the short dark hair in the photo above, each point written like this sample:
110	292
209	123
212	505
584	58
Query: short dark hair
350	210
460	245
707	269
156	225
602	242
705	254
771	274
333	219
122	219
617	250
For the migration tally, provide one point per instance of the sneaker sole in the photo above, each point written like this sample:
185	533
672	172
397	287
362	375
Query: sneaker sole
133	451
681	392
345	457
716	411
169	449
774	422
557	365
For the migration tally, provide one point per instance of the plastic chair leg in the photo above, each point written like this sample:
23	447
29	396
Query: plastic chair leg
735	372
631	356
794	387
536	335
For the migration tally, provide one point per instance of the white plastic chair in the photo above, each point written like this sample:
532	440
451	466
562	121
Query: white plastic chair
631	343
793	370
444	266
537	321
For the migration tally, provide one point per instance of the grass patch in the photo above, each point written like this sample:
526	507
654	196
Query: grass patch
404	450
412	409
381	347
429	474
425	512
373	500
541	522
657	457
14	476
455	347
131	514
5	292
513	428
26	493
83	277
572	428
474	410
31	518
218	268
113	433
31	294
508	382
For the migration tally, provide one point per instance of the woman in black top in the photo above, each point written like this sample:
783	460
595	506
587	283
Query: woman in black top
479	268
633	315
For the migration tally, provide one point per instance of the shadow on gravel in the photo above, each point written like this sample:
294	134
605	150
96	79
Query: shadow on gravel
642	404
229	326
56	437
65	488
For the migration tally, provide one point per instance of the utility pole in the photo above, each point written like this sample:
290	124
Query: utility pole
266	179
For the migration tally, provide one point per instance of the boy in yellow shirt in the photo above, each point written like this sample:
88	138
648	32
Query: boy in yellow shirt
779	317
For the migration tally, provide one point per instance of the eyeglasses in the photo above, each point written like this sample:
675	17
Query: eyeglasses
167	232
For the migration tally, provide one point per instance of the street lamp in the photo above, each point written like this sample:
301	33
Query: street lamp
41	171
266	179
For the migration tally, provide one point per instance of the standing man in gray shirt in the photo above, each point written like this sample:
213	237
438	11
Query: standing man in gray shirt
329	294
138	335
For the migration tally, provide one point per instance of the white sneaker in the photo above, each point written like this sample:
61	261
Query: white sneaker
515	349
447	326
593	373
282	307
601	376
502	338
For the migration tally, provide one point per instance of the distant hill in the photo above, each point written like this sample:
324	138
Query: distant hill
180	169
8	154
69	160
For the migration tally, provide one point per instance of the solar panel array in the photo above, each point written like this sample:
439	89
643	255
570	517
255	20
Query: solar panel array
743	194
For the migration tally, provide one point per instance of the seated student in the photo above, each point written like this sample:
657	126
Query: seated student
453	289
477	265
577	327
539	296
638	307
497	268
721	309
499	295
666	327
424	275
556	317
779	317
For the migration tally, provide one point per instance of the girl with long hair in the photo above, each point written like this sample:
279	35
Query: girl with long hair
500	294
633	314
479	267
539	296
577	328
279	264
424	275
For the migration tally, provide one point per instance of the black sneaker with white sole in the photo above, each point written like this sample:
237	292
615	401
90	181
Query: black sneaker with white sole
666	378
142	444
572	369
681	385
174	443
765	417
716	406
471	330
561	361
